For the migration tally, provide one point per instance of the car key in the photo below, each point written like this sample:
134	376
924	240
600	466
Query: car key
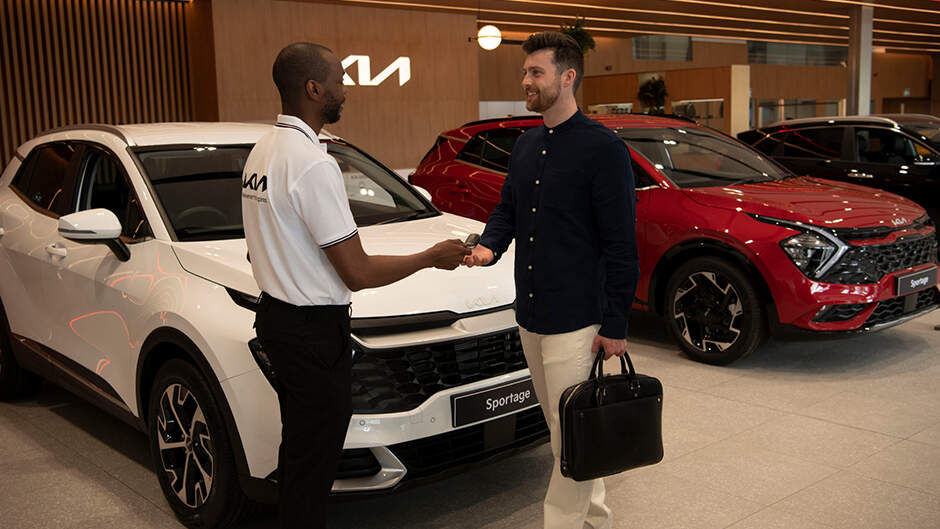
472	240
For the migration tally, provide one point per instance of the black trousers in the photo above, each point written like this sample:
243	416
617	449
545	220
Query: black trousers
310	352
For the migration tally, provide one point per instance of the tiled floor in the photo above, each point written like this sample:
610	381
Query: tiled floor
803	435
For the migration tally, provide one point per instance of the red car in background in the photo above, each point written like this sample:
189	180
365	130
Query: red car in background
732	245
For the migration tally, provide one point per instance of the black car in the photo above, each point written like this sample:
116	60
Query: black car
900	153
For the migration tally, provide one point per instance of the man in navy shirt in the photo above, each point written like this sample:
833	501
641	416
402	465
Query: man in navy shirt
569	203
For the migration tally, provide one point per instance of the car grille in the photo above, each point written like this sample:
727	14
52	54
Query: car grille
433	454
892	309
400	379
868	264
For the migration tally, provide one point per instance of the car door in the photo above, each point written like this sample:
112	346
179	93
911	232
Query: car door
485	158
99	298
41	190
815	151
896	163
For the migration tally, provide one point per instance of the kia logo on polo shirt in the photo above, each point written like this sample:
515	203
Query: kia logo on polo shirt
253	182
364	71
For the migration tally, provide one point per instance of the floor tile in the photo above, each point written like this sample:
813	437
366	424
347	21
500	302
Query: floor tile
815	440
787	393
929	435
908	464
895	417
742	470
850	501
710	417
653	498
771	518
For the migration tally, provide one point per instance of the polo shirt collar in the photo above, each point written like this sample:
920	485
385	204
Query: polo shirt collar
293	122
568	123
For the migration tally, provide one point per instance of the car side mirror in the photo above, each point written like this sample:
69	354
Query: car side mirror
424	192
95	225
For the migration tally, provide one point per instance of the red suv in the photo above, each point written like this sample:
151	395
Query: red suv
732	245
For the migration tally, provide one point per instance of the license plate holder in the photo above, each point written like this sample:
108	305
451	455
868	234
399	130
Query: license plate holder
492	402
916	281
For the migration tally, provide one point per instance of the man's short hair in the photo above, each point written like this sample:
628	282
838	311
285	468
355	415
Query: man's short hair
296	64
567	54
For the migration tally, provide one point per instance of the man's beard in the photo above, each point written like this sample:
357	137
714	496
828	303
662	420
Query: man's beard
332	111
543	101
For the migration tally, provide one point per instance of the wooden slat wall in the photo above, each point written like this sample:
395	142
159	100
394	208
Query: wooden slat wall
90	61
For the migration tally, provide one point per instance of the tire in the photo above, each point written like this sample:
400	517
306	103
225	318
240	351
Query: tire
15	382
194	463
713	311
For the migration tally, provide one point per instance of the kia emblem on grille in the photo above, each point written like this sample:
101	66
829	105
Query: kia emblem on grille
900	221
481	301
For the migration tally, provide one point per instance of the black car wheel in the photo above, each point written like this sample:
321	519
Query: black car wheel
713	311
191	450
15	381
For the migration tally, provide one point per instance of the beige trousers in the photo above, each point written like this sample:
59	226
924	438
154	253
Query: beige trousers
556	362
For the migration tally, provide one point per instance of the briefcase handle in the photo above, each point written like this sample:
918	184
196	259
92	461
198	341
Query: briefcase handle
597	370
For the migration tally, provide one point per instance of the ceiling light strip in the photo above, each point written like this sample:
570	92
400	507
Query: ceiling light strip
610	20
673	13
884	6
616	30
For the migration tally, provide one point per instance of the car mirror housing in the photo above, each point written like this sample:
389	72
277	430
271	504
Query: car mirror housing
95	225
90	225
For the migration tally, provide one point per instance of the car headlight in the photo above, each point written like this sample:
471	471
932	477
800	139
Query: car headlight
809	252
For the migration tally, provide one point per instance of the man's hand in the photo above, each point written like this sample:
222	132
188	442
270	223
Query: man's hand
480	256
449	254
611	347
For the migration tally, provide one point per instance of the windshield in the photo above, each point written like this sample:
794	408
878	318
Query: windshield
693	157
927	129
200	187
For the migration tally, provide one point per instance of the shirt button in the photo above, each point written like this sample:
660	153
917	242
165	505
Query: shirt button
531	239
536	182
533	210
543	152
531	295
530	267
551	131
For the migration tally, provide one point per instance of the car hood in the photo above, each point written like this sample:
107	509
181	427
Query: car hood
462	290
814	201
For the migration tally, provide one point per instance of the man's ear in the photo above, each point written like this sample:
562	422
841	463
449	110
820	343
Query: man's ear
312	88
568	77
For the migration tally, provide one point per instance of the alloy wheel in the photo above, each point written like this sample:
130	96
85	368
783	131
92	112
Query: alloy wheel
185	445
707	310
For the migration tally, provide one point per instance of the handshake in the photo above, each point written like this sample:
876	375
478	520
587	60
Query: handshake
450	254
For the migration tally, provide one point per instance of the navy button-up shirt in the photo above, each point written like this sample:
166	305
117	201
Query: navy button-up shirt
569	203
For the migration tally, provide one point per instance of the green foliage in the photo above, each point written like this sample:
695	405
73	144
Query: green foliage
577	32
653	95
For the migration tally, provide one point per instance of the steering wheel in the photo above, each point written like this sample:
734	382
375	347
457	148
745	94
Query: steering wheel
201	210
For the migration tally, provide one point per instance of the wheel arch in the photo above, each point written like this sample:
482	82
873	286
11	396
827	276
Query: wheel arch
687	250
165	344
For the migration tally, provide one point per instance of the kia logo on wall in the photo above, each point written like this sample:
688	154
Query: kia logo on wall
364	71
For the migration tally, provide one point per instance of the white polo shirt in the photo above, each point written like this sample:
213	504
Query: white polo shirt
293	206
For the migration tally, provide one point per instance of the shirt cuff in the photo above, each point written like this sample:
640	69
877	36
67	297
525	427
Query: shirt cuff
613	327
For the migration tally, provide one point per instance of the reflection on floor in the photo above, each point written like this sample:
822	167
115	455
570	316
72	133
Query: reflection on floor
804	435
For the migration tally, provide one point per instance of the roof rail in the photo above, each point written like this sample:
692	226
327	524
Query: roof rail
112	129
823	120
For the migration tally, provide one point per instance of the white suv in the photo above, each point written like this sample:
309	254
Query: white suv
124	277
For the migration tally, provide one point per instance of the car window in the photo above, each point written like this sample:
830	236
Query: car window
199	188
641	178
694	157
772	145
822	143
883	146
497	148
105	185
46	179
473	150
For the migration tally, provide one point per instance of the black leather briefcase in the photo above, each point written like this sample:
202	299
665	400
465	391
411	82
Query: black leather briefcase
610	423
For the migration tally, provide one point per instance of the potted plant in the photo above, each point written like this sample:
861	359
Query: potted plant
653	95
578	33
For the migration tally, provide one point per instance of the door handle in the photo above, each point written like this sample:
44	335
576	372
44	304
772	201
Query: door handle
55	249
856	174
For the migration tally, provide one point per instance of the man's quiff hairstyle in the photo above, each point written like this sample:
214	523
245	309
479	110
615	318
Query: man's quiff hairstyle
567	54
296	64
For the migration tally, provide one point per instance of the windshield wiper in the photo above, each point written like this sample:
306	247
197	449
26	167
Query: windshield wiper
404	218
733	180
